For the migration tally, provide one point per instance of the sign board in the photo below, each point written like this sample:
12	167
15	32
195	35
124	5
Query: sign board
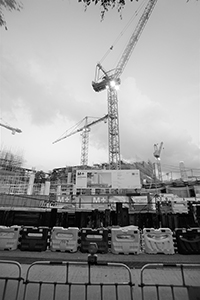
116	179
92	202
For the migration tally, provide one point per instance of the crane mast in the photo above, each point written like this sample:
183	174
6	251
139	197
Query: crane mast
157	153
110	81
85	136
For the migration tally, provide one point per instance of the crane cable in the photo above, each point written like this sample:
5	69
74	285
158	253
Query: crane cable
123	30
76	127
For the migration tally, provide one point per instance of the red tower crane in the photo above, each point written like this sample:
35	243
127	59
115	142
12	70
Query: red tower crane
110	80
85	136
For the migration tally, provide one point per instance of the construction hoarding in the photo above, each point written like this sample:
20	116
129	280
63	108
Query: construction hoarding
116	179
101	202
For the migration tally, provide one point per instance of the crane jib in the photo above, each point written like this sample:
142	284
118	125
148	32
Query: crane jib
103	77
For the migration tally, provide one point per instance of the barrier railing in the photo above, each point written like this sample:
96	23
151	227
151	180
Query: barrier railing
87	284
174	282
91	280
10	281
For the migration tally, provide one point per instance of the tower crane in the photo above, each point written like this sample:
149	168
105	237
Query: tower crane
157	153
14	130
85	136
110	80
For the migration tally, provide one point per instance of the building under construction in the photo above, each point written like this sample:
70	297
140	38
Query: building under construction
72	196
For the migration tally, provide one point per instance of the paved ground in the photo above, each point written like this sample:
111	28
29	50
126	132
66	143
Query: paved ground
133	261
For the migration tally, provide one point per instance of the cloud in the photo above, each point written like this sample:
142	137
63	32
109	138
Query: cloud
45	93
144	122
42	89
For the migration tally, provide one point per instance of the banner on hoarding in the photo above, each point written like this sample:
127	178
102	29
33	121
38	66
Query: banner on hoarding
92	202
140	204
122	199
116	179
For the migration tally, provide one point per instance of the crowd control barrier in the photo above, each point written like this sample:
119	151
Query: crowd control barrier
125	240
64	239
170	281
158	241
9	237
10	279
98	236
79	281
34	238
91	280
188	240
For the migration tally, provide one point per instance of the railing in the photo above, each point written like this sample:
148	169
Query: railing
97	280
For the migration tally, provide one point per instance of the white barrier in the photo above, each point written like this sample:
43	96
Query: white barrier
125	240
9	237
158	241
64	239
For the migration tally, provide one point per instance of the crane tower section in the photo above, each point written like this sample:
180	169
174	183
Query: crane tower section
85	136
157	153
110	80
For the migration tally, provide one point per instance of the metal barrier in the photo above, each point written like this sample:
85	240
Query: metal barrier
10	280
78	280
176	284
92	280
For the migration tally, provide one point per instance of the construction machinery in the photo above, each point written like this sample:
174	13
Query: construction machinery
157	153
14	130
85	136
110	80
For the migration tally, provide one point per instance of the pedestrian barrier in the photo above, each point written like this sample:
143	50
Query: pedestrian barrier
78	280
170	282
98	236
10	283
188	240
97	280
34	238
125	240
9	237
64	239
158	241
118	240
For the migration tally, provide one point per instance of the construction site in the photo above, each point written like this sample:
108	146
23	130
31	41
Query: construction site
115	193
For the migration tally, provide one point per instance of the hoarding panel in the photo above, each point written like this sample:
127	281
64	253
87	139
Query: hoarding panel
81	179
117	179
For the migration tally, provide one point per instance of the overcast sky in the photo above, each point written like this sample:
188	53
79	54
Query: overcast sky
48	57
